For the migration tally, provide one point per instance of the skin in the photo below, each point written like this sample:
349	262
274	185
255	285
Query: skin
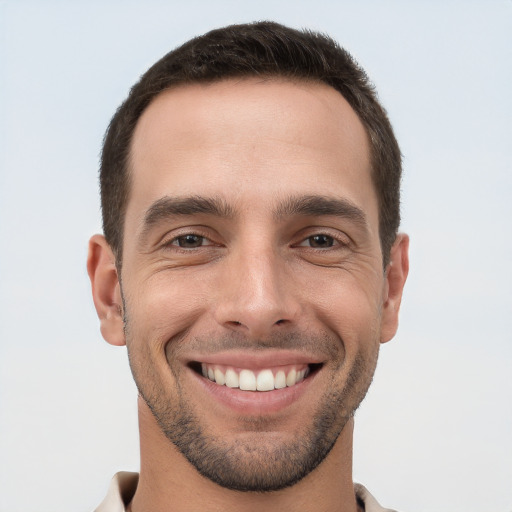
262	279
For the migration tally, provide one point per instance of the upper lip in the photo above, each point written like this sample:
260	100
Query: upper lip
254	360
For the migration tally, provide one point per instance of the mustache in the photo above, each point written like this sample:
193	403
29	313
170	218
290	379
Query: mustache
325	344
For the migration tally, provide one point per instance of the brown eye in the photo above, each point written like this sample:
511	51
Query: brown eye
189	241
320	241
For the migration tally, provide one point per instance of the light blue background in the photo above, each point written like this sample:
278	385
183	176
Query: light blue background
435	432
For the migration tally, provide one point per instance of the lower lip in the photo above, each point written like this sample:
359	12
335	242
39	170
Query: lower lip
255	402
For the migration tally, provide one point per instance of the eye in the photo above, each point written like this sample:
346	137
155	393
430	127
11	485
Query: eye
319	242
190	241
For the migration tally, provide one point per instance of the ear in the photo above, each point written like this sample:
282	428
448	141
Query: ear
106	290
396	274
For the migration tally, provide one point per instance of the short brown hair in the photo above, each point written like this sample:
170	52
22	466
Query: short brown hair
262	49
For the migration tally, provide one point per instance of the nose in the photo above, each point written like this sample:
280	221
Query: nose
257	295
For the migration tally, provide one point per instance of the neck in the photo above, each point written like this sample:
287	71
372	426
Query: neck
168	482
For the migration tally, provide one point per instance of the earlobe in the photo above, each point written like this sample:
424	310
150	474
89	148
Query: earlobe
396	275
106	290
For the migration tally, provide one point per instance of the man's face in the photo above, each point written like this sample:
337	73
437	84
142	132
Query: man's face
252	258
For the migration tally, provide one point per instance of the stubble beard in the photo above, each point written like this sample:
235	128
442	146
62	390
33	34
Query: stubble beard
259	460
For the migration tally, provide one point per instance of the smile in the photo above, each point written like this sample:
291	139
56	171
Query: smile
248	380
254	384
265	379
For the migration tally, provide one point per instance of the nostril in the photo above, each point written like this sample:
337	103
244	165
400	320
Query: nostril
280	322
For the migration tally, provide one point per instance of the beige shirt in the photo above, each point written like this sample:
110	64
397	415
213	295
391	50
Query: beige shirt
123	485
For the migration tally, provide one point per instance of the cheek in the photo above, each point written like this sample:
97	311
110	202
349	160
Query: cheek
162	307
349	308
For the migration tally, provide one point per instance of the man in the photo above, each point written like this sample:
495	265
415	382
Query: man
251	264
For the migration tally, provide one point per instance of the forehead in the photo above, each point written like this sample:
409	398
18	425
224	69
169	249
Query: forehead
248	138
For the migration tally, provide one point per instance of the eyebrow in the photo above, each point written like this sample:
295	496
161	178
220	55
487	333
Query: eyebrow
316	206
308	206
187	206
168	207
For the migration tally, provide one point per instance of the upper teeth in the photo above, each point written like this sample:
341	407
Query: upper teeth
247	380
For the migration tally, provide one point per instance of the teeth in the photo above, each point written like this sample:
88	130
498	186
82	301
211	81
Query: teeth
247	380
219	377
280	381
231	378
265	381
291	378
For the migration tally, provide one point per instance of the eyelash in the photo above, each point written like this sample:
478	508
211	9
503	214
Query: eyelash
335	242
175	241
